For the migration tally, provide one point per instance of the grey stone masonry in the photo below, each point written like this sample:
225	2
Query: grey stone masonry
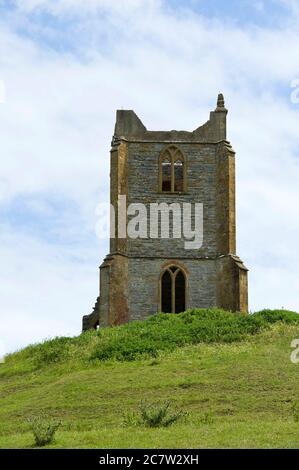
130	276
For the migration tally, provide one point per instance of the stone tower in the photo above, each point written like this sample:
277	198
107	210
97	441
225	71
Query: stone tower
148	274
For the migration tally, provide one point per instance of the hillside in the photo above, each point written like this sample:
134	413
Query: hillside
230	373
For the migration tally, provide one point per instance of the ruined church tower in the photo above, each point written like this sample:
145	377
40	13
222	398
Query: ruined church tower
142	276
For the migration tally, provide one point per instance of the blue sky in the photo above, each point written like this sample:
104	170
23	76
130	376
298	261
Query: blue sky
64	32
267	13
67	66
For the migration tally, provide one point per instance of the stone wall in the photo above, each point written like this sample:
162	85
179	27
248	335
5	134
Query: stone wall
116	285
225	200
231	284
144	285
143	187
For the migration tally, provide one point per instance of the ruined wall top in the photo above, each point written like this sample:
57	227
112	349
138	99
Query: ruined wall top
129	127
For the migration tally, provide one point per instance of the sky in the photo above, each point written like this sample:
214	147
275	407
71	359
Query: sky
66	66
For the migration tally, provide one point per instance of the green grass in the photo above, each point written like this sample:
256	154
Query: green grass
230	373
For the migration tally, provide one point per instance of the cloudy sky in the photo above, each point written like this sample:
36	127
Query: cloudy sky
66	66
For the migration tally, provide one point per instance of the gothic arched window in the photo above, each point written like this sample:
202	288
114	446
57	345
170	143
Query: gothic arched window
173	290
172	170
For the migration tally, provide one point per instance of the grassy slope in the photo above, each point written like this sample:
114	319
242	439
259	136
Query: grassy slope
248	387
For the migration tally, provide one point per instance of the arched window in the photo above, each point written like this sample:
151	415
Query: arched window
172	170
173	290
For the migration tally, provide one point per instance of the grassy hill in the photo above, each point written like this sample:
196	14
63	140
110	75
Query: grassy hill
230	374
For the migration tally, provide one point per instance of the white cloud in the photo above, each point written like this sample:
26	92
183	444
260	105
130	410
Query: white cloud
44	289
57	122
59	7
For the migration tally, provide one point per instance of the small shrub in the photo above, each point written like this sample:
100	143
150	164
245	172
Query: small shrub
157	415
43	429
274	316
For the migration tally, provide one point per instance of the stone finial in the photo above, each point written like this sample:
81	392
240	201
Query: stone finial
221	104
